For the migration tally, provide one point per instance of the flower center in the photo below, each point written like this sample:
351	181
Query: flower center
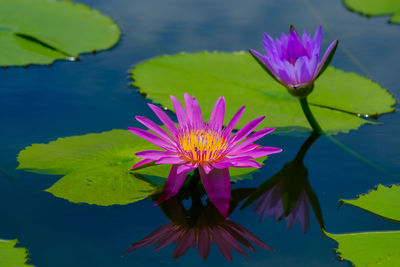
202	146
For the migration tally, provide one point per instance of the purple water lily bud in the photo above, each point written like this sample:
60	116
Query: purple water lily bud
295	61
210	147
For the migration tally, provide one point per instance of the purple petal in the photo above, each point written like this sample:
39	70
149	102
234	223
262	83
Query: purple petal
172	185
235	119
232	241
217	115
184	243
326	59
142	164
250	236
155	128
204	243
246	130
218	188
164	118
154	154
237	163
180	113
168	238
189	107
207	168
221	244
186	168
254	137
151	238
171	160
318	36
238	236
152	138
197	116
261	152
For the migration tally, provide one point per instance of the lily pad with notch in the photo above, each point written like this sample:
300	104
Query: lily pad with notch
42	31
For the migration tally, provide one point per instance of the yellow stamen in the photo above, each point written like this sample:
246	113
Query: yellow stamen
202	146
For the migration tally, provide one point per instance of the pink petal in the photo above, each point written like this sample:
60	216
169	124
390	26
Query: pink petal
164	118
207	167
152	138
197	115
151	238
189	107
221	244
246	130
232	241
154	154
240	229
218	188
170	237
186	168
180	113
204	243
171	160
235	119
261	152
155	128
254	137
142	164
184	243
172	185
217	115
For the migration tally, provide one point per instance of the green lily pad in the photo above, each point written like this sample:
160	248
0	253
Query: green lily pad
369	249
11	256
41	31
96	167
376	8
384	201
238	77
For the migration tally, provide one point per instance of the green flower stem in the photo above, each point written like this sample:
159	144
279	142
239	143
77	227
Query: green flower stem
310	117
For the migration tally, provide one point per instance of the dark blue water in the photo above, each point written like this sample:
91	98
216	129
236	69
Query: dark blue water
41	103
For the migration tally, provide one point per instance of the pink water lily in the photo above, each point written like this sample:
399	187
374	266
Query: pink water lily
209	147
295	61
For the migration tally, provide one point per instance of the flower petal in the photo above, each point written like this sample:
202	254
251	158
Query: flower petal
172	185
327	58
184	243
218	187
246	130
155	128
152	138
235	119
180	113
171	160
254	137
186	168
217	115
154	154
204	242
164	118
260	152
142	164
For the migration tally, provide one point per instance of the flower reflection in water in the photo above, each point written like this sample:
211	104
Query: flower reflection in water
199	226
288	194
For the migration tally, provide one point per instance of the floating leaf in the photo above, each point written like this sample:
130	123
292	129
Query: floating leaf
208	75
96	167
384	201
376	8
41	31
11	256
369	249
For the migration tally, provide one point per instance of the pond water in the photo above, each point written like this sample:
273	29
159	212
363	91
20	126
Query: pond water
39	104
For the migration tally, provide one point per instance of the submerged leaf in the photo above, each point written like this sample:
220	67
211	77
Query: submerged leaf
41	31
96	167
376	8
370	248
11	256
384	201
337	98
